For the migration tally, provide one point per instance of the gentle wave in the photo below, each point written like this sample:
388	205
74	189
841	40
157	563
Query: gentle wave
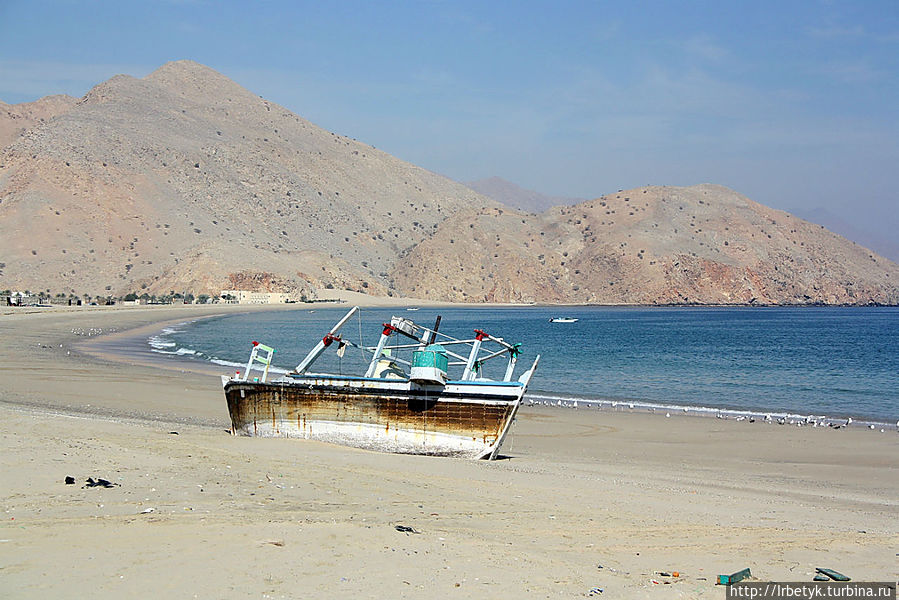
158	342
178	352
228	363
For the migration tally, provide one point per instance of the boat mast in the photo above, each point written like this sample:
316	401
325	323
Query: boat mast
324	343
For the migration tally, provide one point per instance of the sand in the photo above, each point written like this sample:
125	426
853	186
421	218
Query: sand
195	512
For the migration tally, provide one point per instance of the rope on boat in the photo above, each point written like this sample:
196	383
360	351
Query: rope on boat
361	349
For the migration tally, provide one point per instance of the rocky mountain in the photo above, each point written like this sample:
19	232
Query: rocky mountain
517	197
185	181
702	244
16	119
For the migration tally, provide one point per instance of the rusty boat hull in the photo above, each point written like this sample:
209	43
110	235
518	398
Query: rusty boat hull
466	419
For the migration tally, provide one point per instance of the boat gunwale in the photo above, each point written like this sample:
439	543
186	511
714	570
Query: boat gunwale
297	376
396	393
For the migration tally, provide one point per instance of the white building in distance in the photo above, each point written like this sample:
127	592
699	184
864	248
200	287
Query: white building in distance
245	297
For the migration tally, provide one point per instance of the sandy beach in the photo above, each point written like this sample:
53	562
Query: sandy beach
581	499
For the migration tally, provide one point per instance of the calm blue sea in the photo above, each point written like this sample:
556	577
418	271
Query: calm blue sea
838	362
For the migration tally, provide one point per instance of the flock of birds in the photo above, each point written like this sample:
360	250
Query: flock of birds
92	331
808	421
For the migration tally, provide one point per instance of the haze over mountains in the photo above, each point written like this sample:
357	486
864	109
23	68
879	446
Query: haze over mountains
883	244
515	196
185	181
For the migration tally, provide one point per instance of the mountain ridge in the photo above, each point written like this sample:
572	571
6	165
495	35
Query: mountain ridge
138	140
702	244
185	181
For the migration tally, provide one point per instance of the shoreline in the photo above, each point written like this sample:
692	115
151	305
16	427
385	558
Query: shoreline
227	516
132	347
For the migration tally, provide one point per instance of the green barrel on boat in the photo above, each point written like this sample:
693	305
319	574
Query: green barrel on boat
429	365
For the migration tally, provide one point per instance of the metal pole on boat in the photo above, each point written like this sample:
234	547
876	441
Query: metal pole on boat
513	358
324	343
385	335
433	337
473	357
430	335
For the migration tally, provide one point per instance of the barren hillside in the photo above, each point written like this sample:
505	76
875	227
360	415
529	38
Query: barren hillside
16	119
185	181
703	244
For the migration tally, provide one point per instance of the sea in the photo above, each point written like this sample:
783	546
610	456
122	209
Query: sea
797	362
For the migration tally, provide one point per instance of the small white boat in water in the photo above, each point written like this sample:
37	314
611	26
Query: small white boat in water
562	320
435	401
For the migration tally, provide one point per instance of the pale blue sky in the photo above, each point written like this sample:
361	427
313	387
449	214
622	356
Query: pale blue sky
795	104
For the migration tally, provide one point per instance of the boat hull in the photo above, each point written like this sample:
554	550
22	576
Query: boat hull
462	419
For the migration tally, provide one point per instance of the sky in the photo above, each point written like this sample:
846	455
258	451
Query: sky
792	103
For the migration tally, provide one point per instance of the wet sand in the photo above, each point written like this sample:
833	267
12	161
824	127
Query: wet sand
195	512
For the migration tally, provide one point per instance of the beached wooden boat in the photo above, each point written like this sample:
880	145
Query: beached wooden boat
412	406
